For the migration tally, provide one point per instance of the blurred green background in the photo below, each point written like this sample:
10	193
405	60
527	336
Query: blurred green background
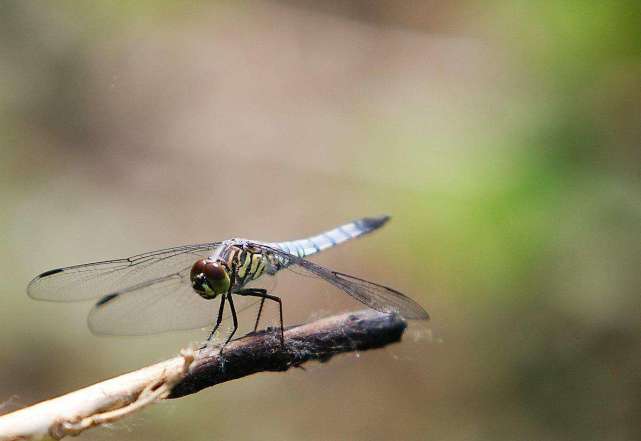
502	136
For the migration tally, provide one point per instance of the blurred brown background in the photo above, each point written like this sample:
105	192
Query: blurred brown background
502	136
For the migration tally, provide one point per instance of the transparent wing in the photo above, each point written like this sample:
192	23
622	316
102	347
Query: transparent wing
92	280
167	303
378	297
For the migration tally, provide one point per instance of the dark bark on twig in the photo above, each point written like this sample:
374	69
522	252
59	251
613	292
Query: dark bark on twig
320	340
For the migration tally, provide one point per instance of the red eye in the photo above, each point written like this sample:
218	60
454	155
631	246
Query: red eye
198	268
214	271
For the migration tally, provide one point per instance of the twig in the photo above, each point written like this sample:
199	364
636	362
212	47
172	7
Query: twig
113	399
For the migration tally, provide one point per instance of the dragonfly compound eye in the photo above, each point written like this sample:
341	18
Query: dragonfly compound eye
209	278
197	269
214	272
198	279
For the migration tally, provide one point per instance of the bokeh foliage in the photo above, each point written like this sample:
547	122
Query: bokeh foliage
502	136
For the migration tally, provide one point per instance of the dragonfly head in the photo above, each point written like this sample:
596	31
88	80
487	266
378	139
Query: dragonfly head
209	278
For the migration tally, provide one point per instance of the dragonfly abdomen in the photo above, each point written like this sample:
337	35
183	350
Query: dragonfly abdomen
328	239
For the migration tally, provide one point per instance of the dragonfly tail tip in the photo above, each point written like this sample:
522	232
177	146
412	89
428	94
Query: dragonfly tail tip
375	222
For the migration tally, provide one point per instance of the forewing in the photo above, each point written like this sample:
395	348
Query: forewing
165	304
378	297
92	280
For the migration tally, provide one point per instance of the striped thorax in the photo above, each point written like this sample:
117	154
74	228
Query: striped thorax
250	263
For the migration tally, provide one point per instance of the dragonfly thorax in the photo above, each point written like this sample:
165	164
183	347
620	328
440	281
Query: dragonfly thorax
209	278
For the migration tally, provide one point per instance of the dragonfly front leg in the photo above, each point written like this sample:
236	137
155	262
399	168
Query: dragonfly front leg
226	296
262	293
221	309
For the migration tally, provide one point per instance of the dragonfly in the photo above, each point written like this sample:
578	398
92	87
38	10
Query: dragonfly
175	288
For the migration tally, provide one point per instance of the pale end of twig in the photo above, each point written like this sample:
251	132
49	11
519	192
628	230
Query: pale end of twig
154	391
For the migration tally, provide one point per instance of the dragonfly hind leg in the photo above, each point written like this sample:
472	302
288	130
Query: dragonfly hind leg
262	294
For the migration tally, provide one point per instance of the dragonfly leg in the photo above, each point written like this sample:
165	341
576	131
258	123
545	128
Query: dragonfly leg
262	293
233	318
219	319
227	296
260	311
